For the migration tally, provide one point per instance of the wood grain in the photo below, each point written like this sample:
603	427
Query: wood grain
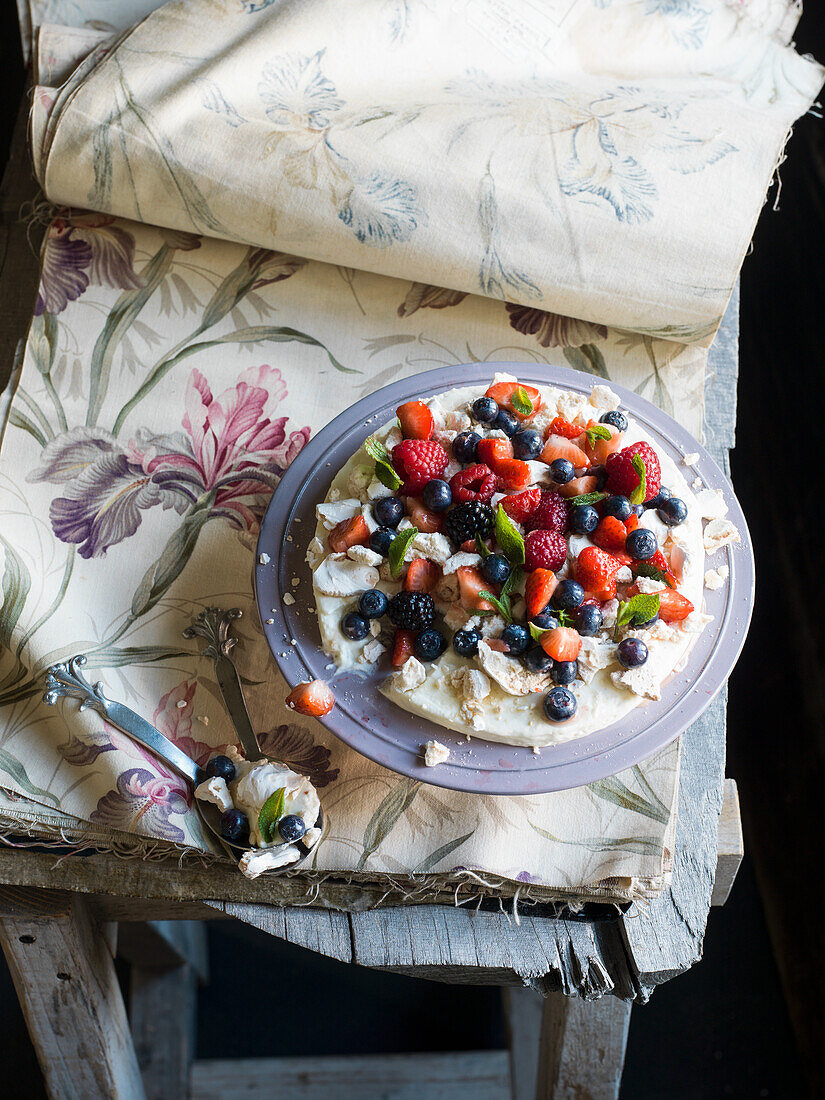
581	1050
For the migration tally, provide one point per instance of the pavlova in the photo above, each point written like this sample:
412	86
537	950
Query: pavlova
524	559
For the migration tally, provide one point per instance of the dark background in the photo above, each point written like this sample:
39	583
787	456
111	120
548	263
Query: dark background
748	1021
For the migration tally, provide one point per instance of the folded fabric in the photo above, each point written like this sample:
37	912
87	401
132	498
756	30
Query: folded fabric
602	159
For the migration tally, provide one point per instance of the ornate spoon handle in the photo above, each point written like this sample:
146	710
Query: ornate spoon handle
213	624
66	679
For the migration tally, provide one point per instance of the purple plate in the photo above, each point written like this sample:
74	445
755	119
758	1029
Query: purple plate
378	729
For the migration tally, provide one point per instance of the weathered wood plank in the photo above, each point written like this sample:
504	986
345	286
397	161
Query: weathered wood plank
162	1013
471	1075
522	1015
581	1050
323	930
730	849
66	983
165	944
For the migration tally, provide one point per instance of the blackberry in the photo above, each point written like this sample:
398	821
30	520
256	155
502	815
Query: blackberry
467	520
411	610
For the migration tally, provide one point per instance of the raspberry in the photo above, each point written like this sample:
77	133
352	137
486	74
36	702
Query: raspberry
552	513
411	610
565	428
522	505
418	461
475	483
465	521
622	479
544	550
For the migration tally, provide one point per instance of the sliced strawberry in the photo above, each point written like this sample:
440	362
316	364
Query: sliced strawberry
579	486
422	575
502	394
673	606
349	532
416	420
610	535
522	505
314	698
513	475
596	572
402	647
491	451
559	447
425	521
498	645
469	547
562	644
603	447
538	588
660	562
470	583
565	428
631	523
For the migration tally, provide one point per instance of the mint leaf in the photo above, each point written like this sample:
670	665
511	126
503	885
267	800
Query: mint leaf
398	548
639	493
645	569
387	475
500	603
636	611
271	813
598	431
520	401
376	450
482	549
564	617
587	498
509	538
512	581
536	633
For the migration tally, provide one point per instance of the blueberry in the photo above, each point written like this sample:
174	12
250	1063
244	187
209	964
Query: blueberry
620	507
235	827
291	827
638	509
506	422
568	594
648	622
631	652
221	767
527	443
536	660
657	501
562	470
464	446
615	419
545	620
429	644
485	410
589	620
380	540
437	495
672	512
495	569
564	672
641	544
516	637
600	475
388	511
583	519
354	626
373	604
559	704
465	643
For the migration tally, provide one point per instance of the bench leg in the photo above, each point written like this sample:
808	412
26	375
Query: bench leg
65	978
581	1050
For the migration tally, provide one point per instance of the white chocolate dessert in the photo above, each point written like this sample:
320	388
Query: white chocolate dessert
505	669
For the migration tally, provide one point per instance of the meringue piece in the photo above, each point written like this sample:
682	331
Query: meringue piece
372	651
338	575
259	779
718	534
410	676
435	753
457	561
255	861
434	546
331	513
364	555
712	504
715	578
315	551
510	675
215	791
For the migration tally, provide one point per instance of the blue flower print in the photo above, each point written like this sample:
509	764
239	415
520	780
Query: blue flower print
297	94
380	210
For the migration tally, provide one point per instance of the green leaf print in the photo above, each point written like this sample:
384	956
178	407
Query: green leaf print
12	766
162	573
615	791
587	358
386	817
16	585
436	857
638	845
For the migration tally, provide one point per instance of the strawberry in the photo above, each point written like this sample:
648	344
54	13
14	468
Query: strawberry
402	647
349	532
596	572
313	697
492	451
418	461
552	513
513	474
422	575
610	535
565	428
522	506
544	550
502	393
660	562
673	606
603	447
623	479
416	420
420	517
470	583
475	483
498	645
562	644
559	447
538	588
579	486
631	523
